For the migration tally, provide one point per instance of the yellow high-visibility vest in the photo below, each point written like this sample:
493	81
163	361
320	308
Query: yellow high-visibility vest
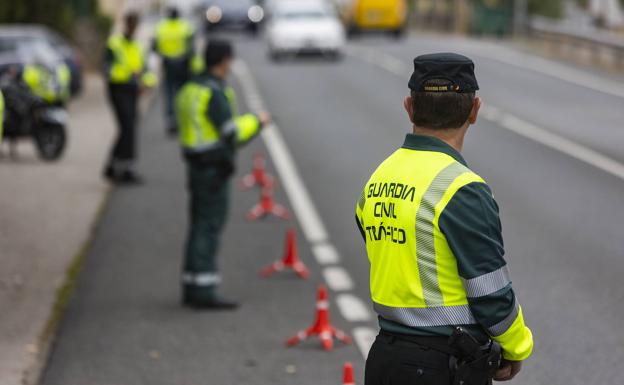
128	62
414	278
173	38
197	132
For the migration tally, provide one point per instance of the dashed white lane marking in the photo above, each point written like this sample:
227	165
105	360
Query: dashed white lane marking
306	212
554	141
352	308
337	278
559	71
325	254
522	127
364	338
531	63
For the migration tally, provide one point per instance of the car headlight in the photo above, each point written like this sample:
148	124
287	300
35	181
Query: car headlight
214	14
255	13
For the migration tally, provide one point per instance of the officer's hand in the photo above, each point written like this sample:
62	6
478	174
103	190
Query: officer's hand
264	118
508	370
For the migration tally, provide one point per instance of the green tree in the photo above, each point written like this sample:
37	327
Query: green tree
548	8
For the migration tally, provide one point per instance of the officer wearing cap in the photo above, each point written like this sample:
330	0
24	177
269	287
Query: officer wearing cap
433	238
210	134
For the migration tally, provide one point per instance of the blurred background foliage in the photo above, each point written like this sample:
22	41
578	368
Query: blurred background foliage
59	15
549	8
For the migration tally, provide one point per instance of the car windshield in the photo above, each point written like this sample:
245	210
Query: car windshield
37	51
233	4
295	13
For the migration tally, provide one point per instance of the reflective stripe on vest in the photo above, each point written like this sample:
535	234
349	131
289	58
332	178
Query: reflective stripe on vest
1	114
414	276
127	62
173	38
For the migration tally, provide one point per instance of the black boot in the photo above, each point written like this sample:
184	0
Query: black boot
129	177
216	303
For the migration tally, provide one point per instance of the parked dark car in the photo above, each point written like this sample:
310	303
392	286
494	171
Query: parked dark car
247	14
15	36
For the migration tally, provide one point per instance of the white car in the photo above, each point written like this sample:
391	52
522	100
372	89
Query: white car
304	26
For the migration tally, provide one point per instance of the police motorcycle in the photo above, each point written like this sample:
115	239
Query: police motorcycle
35	98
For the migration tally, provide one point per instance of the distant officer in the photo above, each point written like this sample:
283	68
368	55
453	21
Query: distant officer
174	43
210	134
127	76
433	237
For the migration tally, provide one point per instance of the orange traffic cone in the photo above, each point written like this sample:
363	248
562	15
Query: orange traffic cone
347	377
267	206
322	326
289	261
258	175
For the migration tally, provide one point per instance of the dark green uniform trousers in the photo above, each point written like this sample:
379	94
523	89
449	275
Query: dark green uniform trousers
209	200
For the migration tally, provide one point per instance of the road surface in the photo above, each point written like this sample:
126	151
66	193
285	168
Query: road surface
549	143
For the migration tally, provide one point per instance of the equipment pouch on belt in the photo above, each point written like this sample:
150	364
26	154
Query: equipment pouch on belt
475	364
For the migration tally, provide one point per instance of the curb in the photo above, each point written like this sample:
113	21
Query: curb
33	374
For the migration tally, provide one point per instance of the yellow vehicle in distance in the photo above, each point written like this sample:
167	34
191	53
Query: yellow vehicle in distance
374	15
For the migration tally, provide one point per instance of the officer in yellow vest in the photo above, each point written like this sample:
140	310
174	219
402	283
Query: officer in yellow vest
127	75
174	44
433	238
210	134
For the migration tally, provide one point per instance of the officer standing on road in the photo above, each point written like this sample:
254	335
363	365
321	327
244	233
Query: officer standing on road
127	76
210	134
433	237
174	43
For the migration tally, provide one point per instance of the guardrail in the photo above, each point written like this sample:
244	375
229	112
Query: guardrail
586	46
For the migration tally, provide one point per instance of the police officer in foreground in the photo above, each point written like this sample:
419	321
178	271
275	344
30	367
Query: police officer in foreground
174	44
438	279
210	134
127	76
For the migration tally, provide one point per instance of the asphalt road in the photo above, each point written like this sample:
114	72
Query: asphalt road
561	219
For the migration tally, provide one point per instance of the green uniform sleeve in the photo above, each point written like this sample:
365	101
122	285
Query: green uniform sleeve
471	225
219	111
358	214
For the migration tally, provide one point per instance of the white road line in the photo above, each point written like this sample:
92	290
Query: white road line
337	278
352	308
559	71
306	212
518	60
325	254
380	59
554	141
364	338
526	129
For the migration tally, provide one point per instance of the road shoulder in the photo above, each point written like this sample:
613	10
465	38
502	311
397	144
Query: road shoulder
48	212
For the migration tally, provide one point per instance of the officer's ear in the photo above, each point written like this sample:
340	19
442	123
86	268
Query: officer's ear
409	107
474	113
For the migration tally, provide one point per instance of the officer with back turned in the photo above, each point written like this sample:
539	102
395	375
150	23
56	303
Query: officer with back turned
174	44
127	75
210	134
438	279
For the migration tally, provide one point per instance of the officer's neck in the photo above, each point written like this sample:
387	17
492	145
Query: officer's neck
218	73
452	137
